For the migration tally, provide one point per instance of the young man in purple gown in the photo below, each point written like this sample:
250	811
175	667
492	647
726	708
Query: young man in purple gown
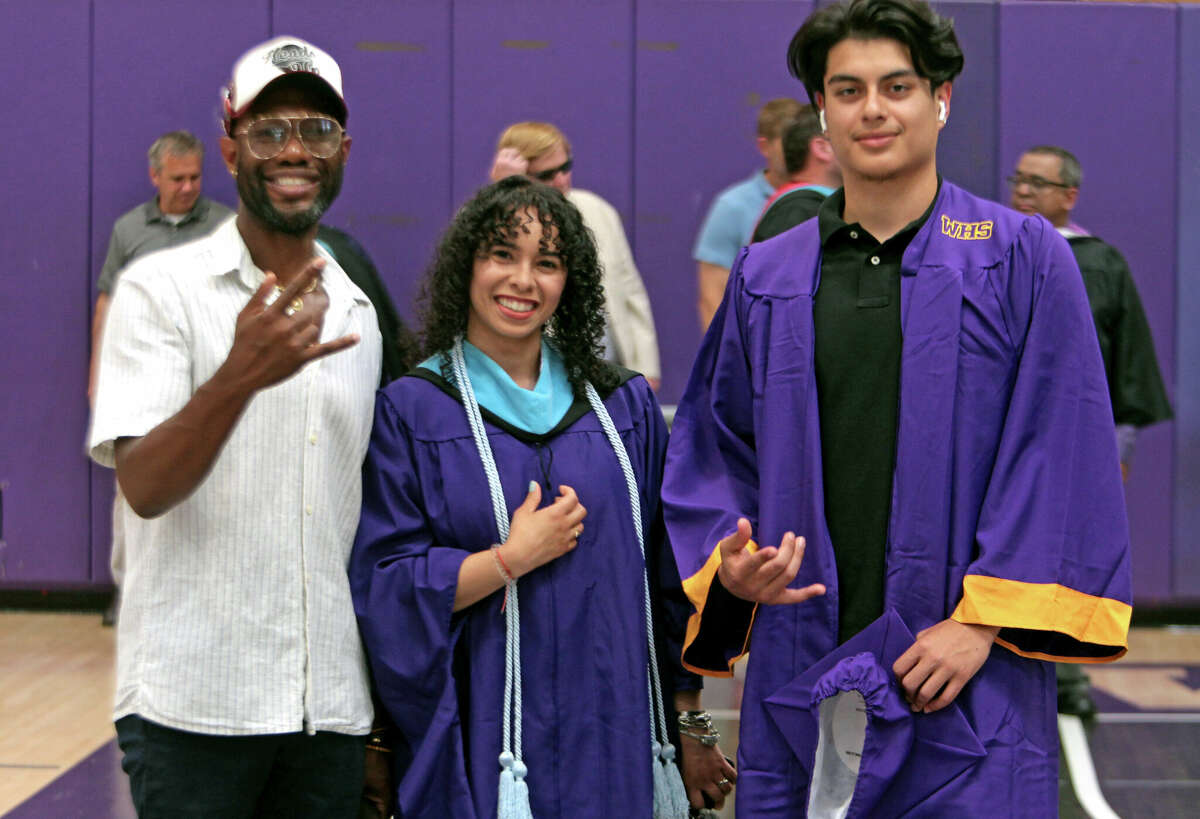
910	387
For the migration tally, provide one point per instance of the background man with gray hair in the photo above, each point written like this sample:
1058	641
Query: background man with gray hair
1046	181
176	214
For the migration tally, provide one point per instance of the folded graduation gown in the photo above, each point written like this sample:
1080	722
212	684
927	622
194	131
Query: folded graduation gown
889	762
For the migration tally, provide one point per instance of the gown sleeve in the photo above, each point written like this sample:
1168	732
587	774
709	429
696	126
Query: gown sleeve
1052	558
403	584
711	479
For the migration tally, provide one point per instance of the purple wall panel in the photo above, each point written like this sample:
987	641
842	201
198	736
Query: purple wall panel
967	145
704	68
1112	103
528	60
43	241
395	60
1186	565
145	84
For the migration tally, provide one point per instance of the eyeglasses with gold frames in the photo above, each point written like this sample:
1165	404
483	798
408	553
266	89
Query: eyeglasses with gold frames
266	138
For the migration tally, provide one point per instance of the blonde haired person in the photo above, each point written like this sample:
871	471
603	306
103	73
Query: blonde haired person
541	151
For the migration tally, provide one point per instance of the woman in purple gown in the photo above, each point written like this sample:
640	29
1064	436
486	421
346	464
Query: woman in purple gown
517	597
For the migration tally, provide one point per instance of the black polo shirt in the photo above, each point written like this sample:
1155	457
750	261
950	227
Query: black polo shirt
856	317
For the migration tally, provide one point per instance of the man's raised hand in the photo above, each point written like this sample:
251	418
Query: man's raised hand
763	576
271	342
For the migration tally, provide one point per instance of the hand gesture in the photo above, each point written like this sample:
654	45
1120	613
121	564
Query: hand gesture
508	162
941	661
705	771
537	536
763	576
270	343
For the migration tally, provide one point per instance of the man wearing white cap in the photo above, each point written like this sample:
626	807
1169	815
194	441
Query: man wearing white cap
235	398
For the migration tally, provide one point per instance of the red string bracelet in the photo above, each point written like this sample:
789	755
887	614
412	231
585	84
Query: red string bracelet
505	573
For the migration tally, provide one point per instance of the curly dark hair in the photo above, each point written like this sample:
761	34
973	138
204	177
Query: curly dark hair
494	214
929	37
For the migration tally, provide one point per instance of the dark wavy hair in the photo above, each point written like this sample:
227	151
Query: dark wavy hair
929	37
577	327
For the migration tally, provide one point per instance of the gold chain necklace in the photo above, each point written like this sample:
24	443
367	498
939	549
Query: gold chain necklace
297	302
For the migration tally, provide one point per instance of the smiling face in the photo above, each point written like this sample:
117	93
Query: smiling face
882	118
287	193
516	284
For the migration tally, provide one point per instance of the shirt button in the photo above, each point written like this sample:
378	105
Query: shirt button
312	439
854	234
308	510
874	260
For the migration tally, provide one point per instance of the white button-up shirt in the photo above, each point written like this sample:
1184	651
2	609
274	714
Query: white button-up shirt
236	615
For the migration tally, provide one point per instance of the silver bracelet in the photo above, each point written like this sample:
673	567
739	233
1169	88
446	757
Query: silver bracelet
698	725
707	740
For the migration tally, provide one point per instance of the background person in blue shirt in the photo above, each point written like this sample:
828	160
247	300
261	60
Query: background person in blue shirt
733	213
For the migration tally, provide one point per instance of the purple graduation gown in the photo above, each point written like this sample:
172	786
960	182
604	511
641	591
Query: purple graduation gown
440	675
1007	507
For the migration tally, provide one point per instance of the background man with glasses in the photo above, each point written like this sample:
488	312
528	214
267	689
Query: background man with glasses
1046	181
541	151
235	398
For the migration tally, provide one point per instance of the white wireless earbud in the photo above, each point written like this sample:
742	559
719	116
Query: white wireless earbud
821	119
941	111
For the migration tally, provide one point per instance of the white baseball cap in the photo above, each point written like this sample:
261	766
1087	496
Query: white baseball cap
269	61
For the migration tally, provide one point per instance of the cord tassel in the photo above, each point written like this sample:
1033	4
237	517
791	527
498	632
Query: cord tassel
513	798
663	809
675	788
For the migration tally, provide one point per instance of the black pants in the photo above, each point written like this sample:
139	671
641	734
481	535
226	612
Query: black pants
180	774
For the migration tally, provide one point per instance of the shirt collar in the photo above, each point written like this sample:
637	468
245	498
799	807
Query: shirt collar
829	217
762	185
154	212
229	255
1072	231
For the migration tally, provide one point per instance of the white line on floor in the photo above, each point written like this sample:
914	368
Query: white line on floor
1083	772
1150	717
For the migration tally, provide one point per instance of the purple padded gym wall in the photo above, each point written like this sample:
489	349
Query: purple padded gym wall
659	99
1186	544
44	296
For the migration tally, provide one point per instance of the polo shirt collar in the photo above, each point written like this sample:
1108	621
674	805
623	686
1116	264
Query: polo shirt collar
830	221
231	256
762	185
154	213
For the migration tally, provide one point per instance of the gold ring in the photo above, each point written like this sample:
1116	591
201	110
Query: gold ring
722	783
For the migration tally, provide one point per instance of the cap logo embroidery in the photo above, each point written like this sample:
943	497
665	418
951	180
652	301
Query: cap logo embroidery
292	57
966	230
